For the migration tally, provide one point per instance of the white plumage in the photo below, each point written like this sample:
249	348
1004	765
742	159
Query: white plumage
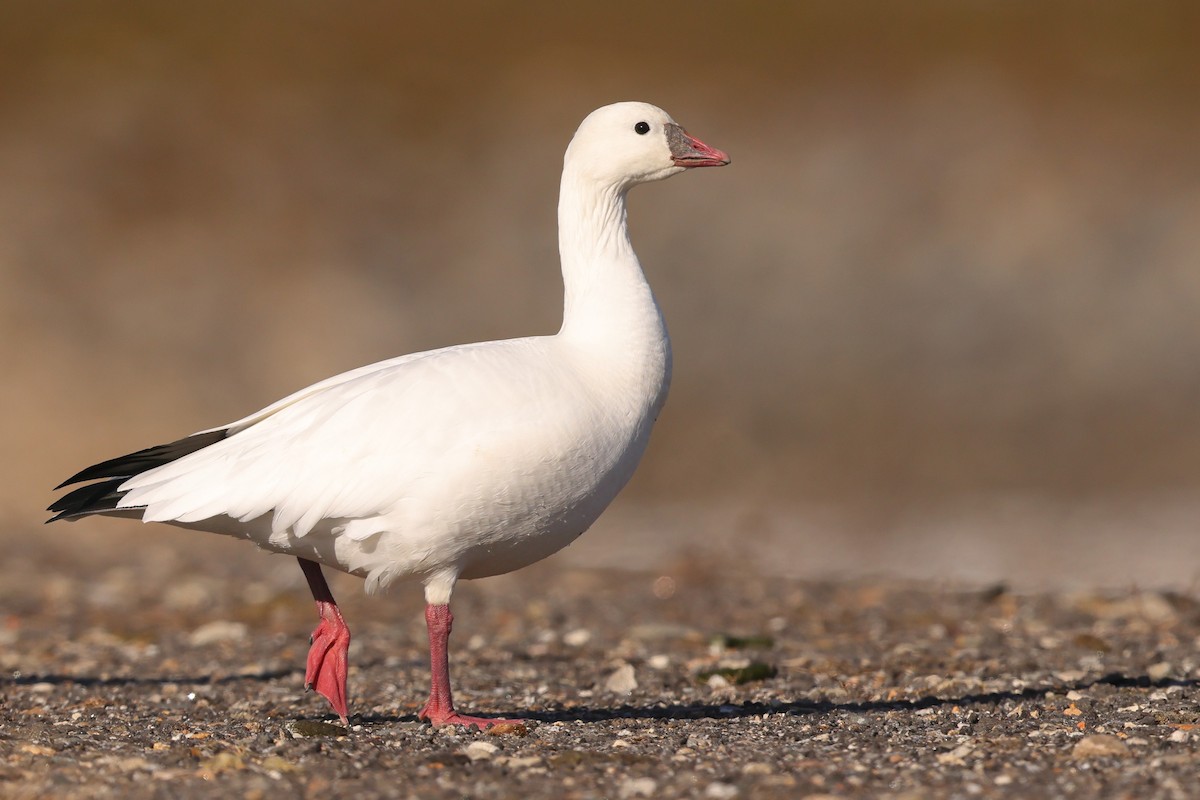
462	462
472	460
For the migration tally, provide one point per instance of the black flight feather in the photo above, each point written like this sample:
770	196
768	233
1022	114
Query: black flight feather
95	498
99	497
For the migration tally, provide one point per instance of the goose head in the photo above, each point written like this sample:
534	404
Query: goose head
625	144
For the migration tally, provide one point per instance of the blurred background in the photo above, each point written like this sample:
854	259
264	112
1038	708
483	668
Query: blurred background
939	318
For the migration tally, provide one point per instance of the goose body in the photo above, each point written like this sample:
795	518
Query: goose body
466	462
463	462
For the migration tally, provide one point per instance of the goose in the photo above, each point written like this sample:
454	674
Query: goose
452	464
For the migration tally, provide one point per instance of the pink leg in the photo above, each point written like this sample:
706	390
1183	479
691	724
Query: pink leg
440	708
328	657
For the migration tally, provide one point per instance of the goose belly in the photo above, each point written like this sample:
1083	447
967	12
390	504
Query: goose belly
537	509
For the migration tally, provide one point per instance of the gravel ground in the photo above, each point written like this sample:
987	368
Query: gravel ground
163	664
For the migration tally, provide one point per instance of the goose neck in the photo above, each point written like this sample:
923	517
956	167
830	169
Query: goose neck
606	294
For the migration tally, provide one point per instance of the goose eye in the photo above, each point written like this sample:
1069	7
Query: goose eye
642	128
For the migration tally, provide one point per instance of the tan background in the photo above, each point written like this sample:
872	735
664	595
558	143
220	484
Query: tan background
938	318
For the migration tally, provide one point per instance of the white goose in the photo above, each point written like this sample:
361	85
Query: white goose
463	462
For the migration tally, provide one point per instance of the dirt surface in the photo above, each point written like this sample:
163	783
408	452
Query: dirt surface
170	665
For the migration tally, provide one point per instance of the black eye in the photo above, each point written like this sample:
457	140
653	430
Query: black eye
642	128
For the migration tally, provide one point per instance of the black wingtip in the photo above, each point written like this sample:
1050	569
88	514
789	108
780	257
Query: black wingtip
94	498
97	498
127	466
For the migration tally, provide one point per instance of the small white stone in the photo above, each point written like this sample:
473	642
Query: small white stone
1100	745
1179	736
220	630
955	757
1156	672
637	787
659	661
721	791
480	750
577	638
717	682
622	680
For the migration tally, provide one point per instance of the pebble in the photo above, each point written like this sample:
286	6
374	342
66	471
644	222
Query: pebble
1156	672
654	631
721	791
217	631
1100	745
955	757
307	729
622	680
279	764
637	787
480	750
223	762
37	750
717	682
577	638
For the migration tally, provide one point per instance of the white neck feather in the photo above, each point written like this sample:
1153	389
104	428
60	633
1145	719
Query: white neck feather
609	312
607	300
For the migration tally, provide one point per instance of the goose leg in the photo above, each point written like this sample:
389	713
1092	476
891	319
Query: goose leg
440	708
328	659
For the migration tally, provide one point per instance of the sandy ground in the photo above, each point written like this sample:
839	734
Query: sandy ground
154	663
